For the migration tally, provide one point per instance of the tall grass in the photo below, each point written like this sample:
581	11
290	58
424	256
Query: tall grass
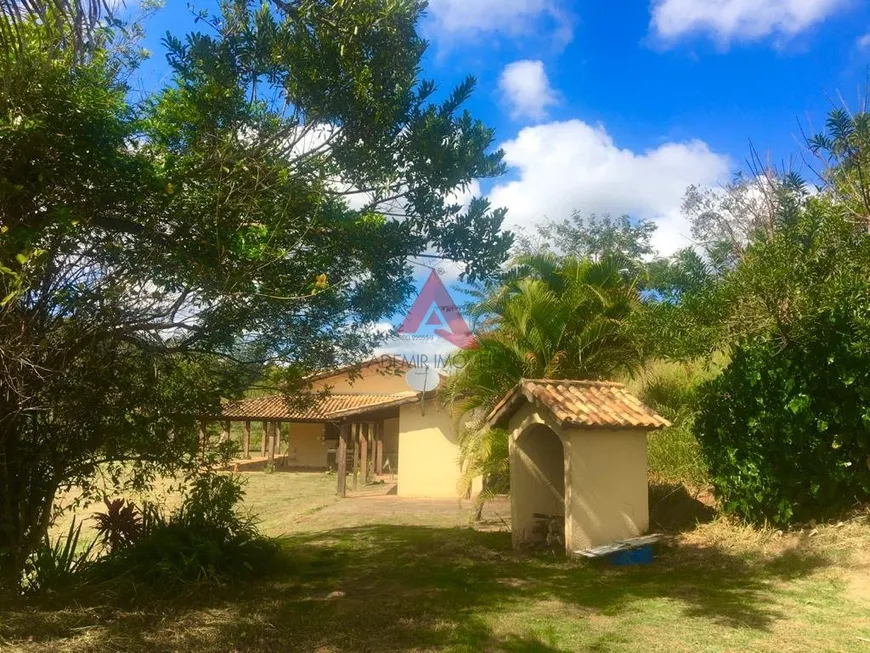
670	388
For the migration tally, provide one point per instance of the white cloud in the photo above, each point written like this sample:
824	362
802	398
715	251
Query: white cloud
566	165
469	19
727	21
464	197
526	89
864	42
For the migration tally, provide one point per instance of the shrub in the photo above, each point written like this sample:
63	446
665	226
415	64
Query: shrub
55	565
786	427
207	539
120	525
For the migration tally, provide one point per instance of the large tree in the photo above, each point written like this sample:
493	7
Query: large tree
262	207
784	427
591	236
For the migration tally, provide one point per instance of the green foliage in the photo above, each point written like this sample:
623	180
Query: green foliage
76	22
784	288
549	318
120	525
155	255
695	306
671	389
56	565
592	237
675	456
208	539
786	431
843	149
484	454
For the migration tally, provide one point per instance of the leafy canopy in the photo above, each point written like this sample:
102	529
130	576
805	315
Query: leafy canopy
260	208
785	428
549	317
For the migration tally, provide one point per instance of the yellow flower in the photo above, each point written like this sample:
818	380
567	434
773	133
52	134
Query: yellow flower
321	281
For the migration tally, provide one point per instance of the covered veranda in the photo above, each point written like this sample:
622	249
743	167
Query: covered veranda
353	432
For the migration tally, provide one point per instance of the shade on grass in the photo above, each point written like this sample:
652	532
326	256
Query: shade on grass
409	588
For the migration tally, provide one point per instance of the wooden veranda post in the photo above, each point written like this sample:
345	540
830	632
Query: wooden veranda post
276	439
225	431
265	439
379	448
246	440
364	451
354	436
270	435
342	460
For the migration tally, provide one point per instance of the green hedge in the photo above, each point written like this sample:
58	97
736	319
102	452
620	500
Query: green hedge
785	429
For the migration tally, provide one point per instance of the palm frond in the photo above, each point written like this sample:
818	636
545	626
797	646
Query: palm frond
76	20
550	317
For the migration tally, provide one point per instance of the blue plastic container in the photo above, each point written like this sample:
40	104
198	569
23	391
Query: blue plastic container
642	555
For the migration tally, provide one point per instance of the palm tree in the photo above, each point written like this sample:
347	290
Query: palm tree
77	18
550	317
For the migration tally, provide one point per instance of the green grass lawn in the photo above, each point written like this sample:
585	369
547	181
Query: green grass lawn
402	585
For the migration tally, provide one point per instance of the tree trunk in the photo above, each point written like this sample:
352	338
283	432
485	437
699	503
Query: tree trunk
27	492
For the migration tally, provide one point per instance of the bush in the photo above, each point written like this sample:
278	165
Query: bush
120	526
207	539
56	565
785	428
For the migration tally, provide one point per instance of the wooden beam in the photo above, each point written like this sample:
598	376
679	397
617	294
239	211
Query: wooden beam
264	440
379	448
276	439
271	437
246	440
341	460
364	451
354	436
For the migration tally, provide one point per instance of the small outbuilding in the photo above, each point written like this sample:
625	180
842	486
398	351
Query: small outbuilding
578	462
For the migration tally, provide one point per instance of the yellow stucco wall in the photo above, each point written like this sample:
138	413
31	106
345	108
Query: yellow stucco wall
428	452
609	495
306	446
537	480
374	380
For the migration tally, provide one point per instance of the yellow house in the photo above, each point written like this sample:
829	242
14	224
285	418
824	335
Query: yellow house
578	466
360	417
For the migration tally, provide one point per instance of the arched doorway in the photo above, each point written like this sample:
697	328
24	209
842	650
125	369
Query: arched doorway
538	487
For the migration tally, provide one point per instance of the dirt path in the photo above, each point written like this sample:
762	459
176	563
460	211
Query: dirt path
380	506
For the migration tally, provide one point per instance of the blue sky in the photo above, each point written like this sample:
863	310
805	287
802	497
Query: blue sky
618	106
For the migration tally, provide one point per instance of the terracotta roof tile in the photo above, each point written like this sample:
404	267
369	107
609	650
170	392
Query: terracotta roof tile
581	403
386	364
328	408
